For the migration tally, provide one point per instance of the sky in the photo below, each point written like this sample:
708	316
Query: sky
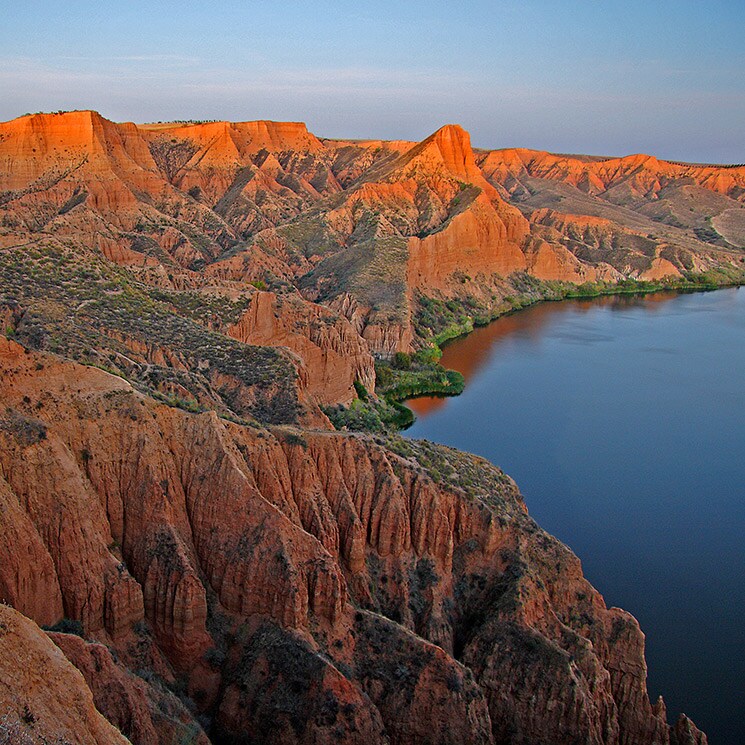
601	77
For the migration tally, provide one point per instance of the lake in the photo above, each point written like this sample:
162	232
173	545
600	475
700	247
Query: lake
623	422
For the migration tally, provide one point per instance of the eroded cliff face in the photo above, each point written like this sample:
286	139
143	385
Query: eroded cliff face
334	355
144	712
602	241
635	216
245	573
378	228
300	586
43	698
641	175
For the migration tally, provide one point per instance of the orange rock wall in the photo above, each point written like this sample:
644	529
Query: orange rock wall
43	698
313	542
333	354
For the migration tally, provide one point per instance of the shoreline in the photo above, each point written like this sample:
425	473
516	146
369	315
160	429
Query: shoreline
677	289
503	359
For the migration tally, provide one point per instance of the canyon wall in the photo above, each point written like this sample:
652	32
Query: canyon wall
210	559
249	566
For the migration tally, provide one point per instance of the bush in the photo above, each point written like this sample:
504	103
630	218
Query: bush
360	390
25	429
293	438
401	361
428	355
383	375
67	626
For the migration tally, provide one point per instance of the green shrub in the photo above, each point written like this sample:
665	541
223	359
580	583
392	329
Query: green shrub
67	626
401	361
360	390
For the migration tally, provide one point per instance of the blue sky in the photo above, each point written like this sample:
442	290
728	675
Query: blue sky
589	76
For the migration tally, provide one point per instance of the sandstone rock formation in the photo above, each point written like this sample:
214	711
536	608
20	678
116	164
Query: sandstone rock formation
43	698
305	586
146	714
333	354
182	301
376	226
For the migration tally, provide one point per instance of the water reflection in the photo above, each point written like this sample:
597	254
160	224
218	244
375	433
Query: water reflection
471	353
623	421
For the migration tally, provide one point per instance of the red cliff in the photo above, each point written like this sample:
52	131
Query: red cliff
333	354
391	606
43	698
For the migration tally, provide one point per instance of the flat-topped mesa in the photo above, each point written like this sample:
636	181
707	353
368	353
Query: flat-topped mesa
52	154
39	151
238	140
39	136
279	136
56	130
252	173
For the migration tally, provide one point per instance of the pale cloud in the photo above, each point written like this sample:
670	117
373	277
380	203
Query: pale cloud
172	59
192	78
338	81
381	101
26	73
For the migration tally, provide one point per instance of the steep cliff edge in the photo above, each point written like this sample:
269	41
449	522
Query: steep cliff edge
241	572
432	217
332	352
145	712
43	698
306	586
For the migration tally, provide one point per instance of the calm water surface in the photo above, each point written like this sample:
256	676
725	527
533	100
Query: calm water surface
623	422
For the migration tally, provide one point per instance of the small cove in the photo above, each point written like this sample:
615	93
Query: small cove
622	420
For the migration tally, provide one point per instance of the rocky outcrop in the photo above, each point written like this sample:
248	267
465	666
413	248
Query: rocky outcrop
685	732
473	242
43	698
325	570
384	336
567	238
28	579
146	714
334	355
255	174
42	151
458	223
79	174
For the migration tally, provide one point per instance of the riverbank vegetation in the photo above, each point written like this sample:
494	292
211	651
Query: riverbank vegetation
402	377
439	320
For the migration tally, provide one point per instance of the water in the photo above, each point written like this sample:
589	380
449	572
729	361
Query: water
623	422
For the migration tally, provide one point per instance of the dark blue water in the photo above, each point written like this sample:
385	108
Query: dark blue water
623	422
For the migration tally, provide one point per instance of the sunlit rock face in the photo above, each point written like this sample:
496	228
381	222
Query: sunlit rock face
180	305
251	565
